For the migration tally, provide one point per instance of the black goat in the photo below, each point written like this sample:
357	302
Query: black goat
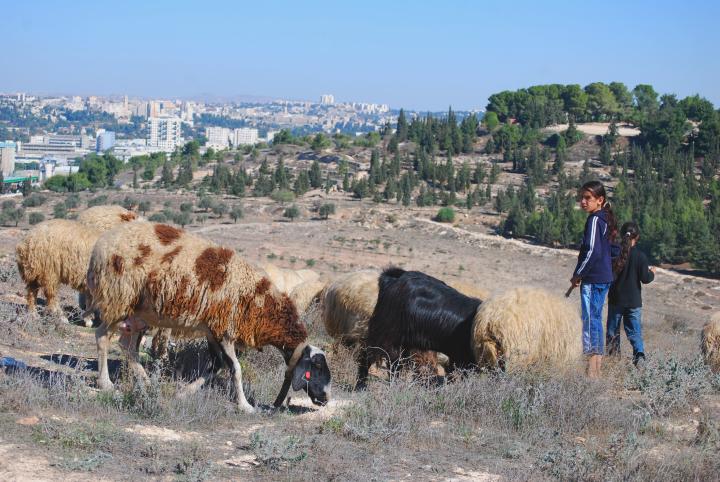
415	311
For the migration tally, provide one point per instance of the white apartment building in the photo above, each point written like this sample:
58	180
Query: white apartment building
327	99
7	157
245	137
218	137
165	133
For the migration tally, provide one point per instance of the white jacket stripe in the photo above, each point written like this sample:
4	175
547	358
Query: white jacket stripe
592	245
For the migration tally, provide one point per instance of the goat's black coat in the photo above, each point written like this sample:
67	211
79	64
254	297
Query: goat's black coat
415	311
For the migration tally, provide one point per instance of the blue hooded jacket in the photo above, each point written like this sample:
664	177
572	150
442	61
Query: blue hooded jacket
594	261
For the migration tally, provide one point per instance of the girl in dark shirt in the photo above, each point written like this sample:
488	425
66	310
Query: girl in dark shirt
625	298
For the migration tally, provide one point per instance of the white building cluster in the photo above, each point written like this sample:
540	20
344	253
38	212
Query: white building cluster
223	137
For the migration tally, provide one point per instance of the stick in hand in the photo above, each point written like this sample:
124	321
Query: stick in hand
569	291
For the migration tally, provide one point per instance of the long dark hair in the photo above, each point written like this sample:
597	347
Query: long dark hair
629	232
597	189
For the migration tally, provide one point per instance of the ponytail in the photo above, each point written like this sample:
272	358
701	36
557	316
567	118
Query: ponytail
611	220
630	231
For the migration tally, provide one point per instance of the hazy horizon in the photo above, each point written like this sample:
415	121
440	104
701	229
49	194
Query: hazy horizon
420	57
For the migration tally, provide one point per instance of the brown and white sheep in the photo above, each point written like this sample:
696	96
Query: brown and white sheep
58	252
169	278
710	343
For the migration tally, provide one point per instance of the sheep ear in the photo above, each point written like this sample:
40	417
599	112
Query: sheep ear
301	372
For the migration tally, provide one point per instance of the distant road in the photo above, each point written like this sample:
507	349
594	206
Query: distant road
597	129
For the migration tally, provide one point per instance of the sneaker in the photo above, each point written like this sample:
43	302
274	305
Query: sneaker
639	360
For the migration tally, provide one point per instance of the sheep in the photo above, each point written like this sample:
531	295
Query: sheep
55	252
104	218
710	343
470	290
169	278
304	294
285	280
58	252
348	302
526	327
415	311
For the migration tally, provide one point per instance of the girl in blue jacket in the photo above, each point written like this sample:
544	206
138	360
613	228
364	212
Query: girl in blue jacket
593	272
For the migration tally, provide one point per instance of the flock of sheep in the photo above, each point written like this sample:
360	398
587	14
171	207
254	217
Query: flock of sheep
137	275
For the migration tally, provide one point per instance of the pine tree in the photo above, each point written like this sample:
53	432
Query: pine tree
560	156
302	183
166	179
402	127
280	175
315	175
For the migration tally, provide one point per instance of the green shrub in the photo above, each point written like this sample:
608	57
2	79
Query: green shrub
35	218
236	213
60	211
292	212
445	215
282	196
34	200
72	201
97	201
326	210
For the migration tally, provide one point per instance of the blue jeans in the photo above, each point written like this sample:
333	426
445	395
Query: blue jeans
631	318
592	299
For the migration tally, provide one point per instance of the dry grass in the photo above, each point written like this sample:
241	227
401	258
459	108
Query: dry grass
659	423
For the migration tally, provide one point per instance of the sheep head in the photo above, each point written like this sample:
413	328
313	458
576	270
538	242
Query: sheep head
307	370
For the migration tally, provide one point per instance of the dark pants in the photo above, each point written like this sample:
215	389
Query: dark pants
631	319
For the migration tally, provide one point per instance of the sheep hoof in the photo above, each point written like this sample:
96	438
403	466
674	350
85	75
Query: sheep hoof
246	408
105	385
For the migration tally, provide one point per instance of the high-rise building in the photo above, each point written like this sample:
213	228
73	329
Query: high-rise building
152	109
327	99
245	137
187	112
7	157
164	133
105	140
218	137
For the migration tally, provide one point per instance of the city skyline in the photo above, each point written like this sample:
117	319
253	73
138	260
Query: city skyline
415	56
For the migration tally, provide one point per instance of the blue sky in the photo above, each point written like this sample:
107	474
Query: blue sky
413	54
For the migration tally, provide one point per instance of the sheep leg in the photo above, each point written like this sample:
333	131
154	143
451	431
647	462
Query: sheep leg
53	305
130	343
363	369
209	370
228	347
160	343
85	303
103	341
32	293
